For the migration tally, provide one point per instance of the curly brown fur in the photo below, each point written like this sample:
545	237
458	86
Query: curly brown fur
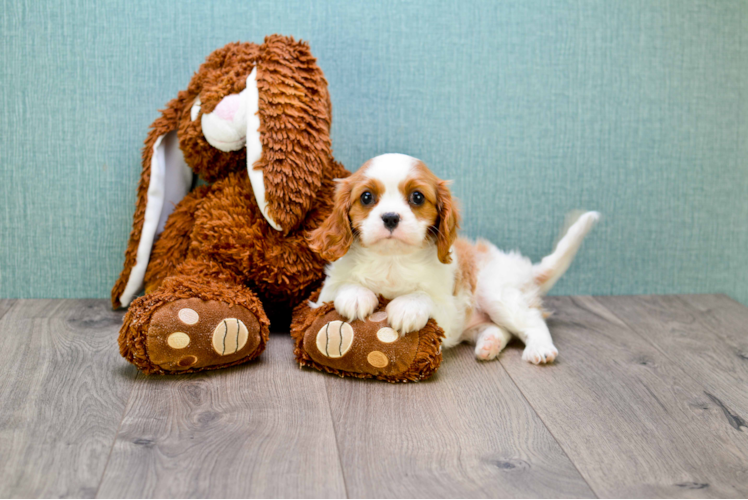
171	247
295	133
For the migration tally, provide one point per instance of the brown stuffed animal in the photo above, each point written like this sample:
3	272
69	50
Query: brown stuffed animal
215	261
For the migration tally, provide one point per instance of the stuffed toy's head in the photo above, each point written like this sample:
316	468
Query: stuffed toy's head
264	109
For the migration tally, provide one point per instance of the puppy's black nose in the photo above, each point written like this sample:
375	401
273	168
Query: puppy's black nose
390	220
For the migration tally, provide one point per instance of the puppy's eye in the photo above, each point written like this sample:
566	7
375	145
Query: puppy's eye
417	198
367	198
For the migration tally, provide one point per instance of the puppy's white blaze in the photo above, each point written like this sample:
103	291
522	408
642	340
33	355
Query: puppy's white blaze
393	167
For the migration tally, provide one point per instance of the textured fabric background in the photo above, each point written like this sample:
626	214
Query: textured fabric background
638	109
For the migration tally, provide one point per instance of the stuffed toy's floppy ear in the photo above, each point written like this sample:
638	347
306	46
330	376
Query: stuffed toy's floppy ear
280	113
294	131
164	181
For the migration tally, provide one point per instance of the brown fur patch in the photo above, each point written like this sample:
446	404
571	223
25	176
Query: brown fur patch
335	236
466	277
446	221
426	185
358	211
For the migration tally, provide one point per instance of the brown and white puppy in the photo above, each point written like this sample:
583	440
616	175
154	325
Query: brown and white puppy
393	232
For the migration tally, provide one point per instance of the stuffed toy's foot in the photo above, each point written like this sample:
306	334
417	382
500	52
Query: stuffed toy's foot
183	335
191	333
364	349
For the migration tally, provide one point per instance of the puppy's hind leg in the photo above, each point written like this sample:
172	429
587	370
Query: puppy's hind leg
539	346
513	312
490	340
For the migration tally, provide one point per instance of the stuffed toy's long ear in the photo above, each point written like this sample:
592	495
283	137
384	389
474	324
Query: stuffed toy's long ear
294	131
164	181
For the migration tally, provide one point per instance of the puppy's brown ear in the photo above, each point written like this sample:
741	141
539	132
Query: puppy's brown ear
164	180
447	223
334	237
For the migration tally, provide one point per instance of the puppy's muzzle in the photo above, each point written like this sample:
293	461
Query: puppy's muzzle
391	220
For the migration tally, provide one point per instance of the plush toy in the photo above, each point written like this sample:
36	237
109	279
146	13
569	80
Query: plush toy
217	260
364	349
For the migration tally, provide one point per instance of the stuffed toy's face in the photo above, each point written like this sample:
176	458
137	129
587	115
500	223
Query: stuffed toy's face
213	121
264	109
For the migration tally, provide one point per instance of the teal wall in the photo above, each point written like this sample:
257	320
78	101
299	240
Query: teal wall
638	109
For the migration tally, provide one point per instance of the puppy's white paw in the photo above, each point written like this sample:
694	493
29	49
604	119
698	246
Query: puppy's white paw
540	352
355	302
489	344
409	313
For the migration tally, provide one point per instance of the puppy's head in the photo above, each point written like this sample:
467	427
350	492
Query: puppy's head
393	204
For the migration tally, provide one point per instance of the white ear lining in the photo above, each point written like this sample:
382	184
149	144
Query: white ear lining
170	181
254	147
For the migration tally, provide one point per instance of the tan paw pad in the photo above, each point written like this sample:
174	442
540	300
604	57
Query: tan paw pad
378	316
229	336
178	340
377	359
335	339
188	316
387	335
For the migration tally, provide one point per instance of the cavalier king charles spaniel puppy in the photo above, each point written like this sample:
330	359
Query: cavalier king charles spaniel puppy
393	232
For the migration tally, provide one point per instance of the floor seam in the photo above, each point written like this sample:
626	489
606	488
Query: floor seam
116	434
13	303
566	454
335	435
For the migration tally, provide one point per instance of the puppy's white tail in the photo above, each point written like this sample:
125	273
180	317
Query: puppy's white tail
553	266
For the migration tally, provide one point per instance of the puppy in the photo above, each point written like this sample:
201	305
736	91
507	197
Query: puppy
393	232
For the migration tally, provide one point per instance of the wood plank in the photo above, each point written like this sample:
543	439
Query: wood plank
634	423
707	335
63	389
467	432
5	305
258	430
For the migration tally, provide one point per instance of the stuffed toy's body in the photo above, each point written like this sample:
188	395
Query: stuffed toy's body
214	261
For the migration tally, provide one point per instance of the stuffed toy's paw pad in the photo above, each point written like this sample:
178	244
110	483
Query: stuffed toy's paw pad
360	346
367	348
192	333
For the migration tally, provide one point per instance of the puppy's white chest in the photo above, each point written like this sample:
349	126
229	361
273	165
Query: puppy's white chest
393	276
389	278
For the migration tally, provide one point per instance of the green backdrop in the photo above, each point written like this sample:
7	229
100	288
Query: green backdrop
638	109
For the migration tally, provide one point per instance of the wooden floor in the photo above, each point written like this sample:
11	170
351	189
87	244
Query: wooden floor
648	399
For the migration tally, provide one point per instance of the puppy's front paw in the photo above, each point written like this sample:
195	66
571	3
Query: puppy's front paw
409	313
355	302
540	353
